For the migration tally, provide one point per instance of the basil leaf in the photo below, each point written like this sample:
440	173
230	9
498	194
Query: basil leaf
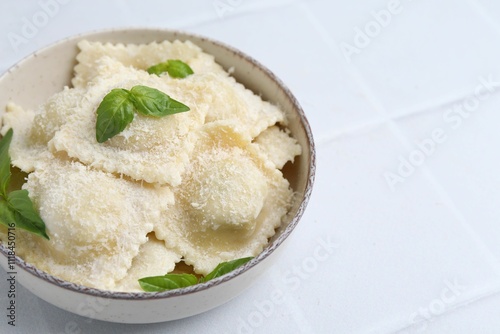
5	163
226	267
174	107
6	214
174	67
167	282
24	213
152	102
178	69
115	112
158	68
117	109
16	207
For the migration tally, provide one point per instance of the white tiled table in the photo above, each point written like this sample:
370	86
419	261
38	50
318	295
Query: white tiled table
402	233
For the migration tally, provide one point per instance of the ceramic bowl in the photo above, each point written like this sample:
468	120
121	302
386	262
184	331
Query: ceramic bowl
47	71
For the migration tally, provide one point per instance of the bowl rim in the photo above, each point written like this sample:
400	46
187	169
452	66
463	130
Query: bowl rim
270	247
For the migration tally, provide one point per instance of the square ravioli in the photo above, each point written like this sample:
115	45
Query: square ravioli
231	201
154	259
95	220
155	150
140	57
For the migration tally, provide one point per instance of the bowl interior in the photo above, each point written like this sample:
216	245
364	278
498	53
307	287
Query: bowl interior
37	77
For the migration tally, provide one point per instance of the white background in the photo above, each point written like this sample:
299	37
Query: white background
402	232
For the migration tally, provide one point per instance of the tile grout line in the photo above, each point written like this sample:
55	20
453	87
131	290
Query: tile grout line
326	38
350	130
490	257
493	292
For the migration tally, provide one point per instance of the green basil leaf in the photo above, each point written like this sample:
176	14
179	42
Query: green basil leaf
174	67
115	112
24	213
16	208
178	69
174	107
5	163
167	282
226	267
152	102
6	214
158	68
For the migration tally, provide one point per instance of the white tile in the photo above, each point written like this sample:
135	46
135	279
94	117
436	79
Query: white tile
466	163
397	250
489	8
480	316
427	53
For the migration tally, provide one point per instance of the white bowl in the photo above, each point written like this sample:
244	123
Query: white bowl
35	78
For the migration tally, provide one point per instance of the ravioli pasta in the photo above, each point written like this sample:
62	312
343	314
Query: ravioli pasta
230	203
202	187
95	220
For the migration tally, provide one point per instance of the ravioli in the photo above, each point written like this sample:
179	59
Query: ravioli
150	149
278	146
96	222
154	259
231	101
229	204
140	56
